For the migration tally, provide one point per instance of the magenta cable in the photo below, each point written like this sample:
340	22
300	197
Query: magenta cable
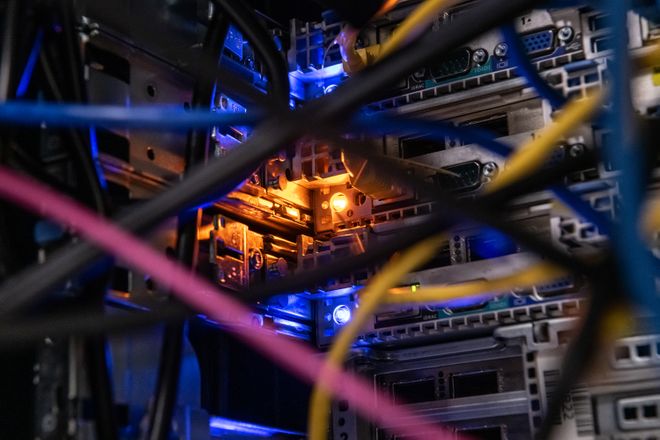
210	300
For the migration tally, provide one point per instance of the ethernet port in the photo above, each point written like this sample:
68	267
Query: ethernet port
417	391
490	433
630	413
650	411
474	383
643	351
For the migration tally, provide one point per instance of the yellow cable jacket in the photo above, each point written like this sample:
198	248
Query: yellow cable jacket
372	296
531	156
413	25
651	58
537	274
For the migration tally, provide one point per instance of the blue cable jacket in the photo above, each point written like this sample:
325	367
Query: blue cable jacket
79	115
623	151
519	57
26	77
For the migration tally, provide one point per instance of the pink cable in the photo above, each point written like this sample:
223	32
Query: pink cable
210	300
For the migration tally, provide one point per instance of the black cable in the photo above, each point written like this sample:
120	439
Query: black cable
169	370
160	418
220	177
100	385
8	45
278	75
67	48
585	344
82	321
71	63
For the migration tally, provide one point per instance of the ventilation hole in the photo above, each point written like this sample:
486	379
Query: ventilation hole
151	90
533	388
151	154
643	351
630	413
650	411
531	373
536	405
341	421
150	284
343	404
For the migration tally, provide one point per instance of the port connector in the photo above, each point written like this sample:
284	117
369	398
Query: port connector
401	316
462	177
601	44
598	22
474	383
539	43
483	433
489	244
422	390
456	63
466	304
414	146
639	412
497	124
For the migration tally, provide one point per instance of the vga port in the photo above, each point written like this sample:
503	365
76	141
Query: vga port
539	43
461	177
456	63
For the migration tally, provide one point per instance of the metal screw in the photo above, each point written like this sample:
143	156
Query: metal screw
256	259
576	150
565	34
48	423
501	50
480	56
489	169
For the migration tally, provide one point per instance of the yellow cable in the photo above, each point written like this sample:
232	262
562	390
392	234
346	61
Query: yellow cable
650	58
413	25
652	218
370	298
537	274
531	156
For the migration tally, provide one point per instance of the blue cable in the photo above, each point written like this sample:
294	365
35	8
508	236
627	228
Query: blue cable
518	55
148	117
26	77
623	151
439	129
94	151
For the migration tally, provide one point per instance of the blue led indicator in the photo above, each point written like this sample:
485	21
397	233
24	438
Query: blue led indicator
341	315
